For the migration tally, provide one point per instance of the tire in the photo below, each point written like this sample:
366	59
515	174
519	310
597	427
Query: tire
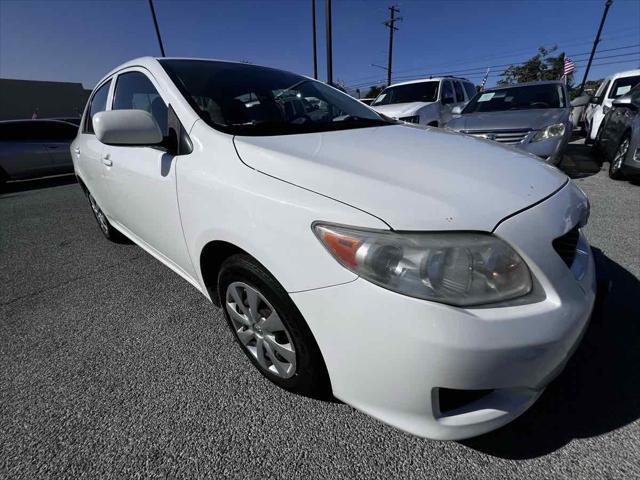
615	165
266	338
106	228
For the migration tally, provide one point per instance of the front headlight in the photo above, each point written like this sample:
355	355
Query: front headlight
551	131
455	268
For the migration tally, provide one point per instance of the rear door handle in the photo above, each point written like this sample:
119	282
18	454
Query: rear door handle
106	160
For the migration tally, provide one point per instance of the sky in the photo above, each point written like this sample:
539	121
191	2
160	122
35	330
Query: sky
81	40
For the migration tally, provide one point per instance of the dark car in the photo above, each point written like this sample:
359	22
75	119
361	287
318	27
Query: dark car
619	136
35	148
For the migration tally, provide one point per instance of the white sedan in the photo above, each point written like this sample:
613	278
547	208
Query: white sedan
435	281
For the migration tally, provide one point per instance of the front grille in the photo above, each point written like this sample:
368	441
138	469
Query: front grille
566	245
510	137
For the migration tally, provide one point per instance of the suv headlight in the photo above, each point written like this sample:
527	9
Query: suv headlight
411	119
551	131
456	268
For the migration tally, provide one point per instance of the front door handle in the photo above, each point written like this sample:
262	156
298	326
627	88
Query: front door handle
77	150
107	160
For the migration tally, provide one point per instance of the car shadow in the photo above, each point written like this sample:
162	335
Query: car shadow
580	161
599	390
37	183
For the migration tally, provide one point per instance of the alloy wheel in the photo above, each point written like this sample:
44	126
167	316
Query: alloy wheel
619	156
260	329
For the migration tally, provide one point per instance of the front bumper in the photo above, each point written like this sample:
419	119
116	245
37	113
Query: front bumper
390	355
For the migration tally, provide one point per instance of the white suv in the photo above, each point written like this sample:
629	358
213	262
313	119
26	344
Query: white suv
426	102
611	88
440	297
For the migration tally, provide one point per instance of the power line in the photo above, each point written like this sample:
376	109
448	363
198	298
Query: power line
472	70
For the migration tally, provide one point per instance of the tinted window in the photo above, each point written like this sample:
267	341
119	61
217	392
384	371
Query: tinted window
623	86
98	104
471	90
447	90
61	131
411	92
134	91
244	99
549	95
458	89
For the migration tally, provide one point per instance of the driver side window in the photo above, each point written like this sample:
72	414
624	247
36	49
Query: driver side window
135	91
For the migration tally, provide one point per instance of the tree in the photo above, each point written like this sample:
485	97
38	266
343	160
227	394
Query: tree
374	91
542	66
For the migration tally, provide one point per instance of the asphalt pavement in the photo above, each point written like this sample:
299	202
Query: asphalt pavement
112	366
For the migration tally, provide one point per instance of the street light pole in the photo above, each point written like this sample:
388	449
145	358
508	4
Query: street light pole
329	51
607	5
315	49
155	23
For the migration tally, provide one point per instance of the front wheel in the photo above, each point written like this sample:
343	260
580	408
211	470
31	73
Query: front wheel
269	328
615	166
105	227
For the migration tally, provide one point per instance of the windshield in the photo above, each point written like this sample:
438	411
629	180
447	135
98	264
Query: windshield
411	92
244	99
550	95
623	85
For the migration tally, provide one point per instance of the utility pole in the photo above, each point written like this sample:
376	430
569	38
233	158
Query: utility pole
329	50
155	23
315	50
391	25
607	5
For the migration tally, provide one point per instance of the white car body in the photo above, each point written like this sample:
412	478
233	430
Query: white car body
436	113
387	354
595	112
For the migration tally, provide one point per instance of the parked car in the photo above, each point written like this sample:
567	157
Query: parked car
425	102
619	137
611	88
35	148
429	279
534	117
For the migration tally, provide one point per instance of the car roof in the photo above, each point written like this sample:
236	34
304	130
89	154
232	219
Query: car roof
432	79
527	84
37	120
626	73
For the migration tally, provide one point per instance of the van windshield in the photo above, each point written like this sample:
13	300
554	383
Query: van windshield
411	92
243	99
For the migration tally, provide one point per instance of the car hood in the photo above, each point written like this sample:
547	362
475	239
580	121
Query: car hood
411	178
510	119
397	110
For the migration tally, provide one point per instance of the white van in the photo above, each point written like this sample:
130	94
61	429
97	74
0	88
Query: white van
611	88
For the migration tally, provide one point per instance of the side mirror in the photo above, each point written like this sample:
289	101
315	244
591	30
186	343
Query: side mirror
581	101
457	110
624	101
447	100
126	127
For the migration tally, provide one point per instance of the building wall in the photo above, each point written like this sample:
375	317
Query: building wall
21	98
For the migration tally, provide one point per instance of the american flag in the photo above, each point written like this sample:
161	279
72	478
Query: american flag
569	67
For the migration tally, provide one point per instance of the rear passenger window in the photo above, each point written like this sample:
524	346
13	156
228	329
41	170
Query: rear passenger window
459	93
61	131
471	90
98	104
134	91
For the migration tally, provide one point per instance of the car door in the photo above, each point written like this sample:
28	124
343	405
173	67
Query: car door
448	101
59	138
89	150
142	180
22	149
